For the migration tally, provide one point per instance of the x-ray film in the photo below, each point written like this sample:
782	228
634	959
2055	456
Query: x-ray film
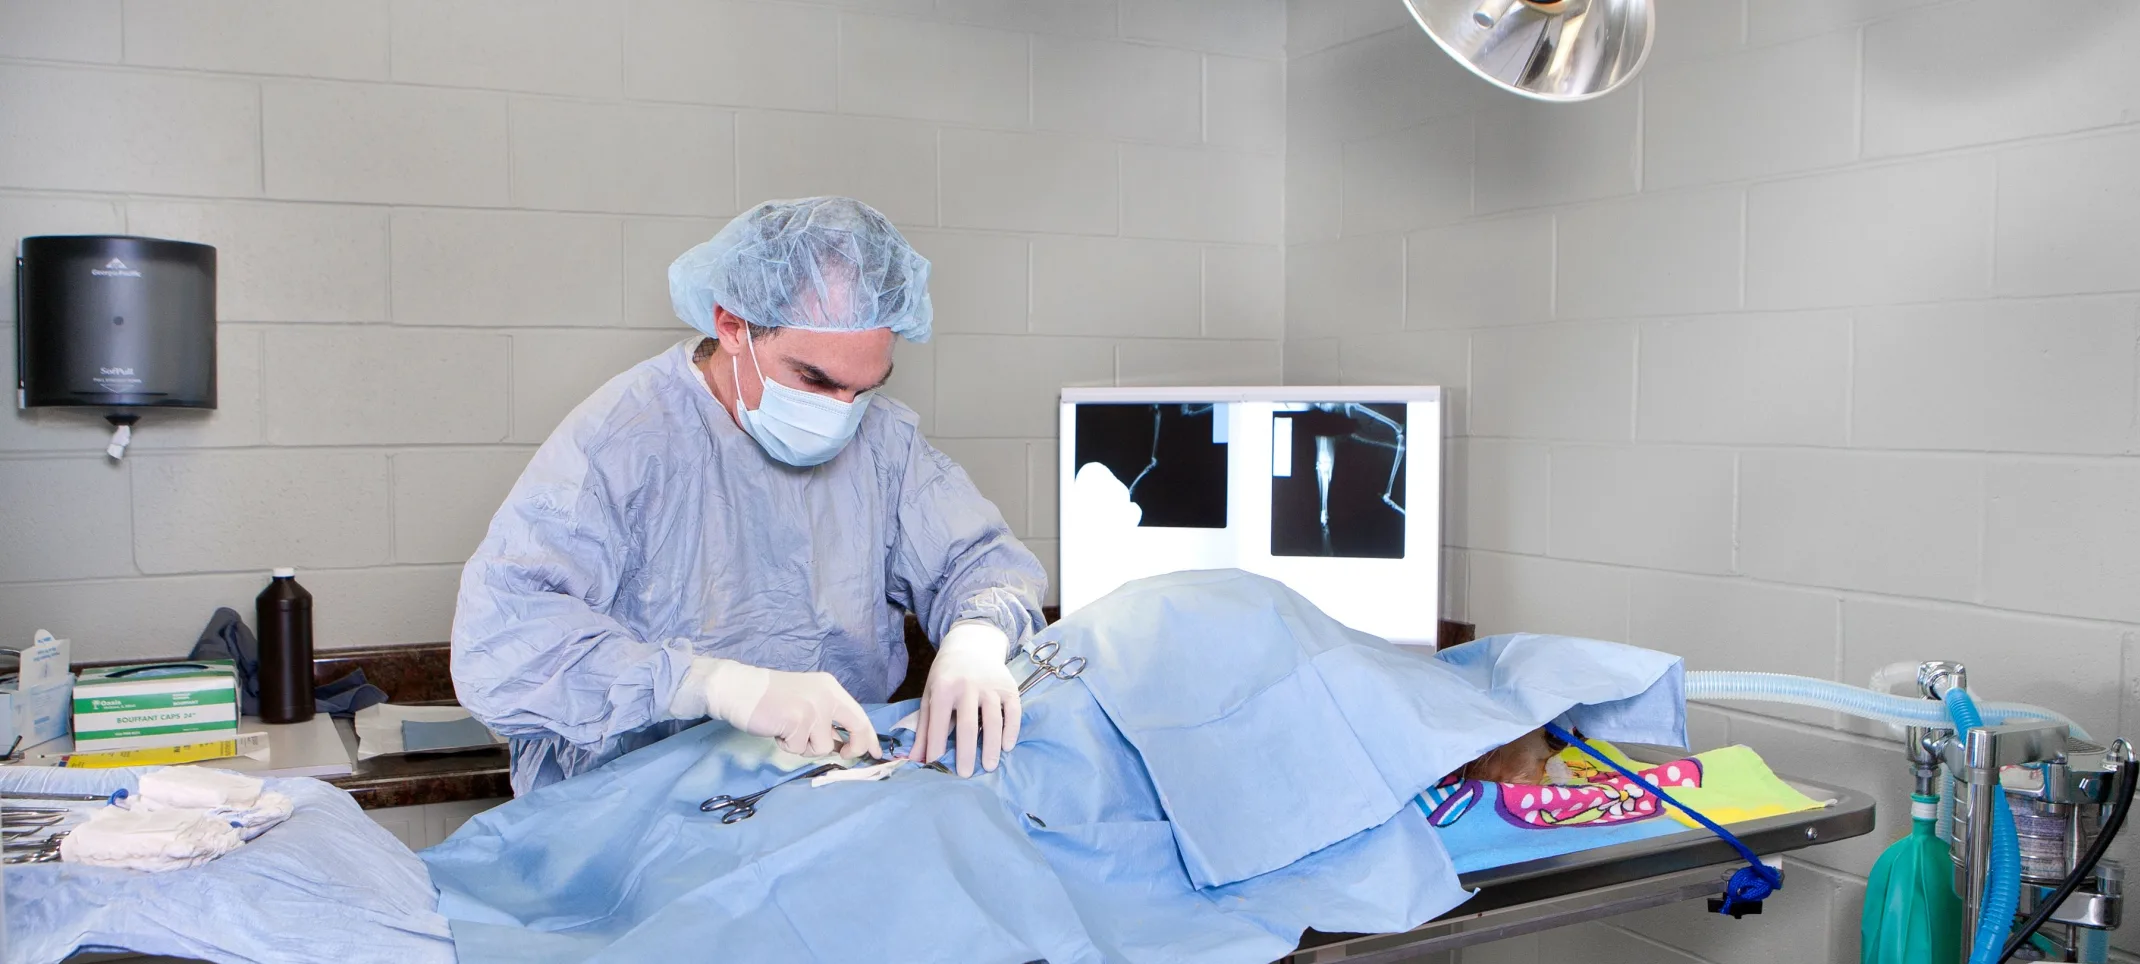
1170	458
1347	497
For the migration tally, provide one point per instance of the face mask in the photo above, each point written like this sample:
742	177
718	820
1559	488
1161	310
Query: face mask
797	427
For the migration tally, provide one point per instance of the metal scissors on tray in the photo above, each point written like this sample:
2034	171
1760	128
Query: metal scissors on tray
1043	656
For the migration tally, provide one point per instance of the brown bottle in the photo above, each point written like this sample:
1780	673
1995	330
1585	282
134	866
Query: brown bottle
284	614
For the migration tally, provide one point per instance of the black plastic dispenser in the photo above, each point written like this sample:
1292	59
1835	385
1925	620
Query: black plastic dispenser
115	323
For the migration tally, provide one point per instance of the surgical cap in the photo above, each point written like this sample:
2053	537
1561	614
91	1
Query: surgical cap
819	264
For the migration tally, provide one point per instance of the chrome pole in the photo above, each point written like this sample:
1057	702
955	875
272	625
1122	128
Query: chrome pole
1980	804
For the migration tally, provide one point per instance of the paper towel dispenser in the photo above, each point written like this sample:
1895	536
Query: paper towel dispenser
114	322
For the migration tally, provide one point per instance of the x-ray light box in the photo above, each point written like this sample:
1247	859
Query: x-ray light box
1334	491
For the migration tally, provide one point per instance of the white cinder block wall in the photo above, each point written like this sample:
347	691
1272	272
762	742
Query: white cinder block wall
441	224
1812	351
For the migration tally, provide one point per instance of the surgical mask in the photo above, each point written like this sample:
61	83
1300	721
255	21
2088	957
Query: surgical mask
794	426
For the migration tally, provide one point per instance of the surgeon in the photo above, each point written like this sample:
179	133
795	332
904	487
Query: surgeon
735	528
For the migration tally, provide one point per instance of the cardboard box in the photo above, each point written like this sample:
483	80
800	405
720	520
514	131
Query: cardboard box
33	705
155	704
37	716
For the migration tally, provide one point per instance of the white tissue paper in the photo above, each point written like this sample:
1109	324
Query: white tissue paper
197	788
149	840
232	798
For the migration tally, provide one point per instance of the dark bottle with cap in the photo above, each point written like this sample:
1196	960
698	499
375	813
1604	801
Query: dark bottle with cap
284	611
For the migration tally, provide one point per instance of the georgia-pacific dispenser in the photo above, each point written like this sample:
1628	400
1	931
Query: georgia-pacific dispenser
115	323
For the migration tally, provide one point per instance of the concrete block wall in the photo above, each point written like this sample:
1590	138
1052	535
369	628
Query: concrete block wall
441	225
1813	350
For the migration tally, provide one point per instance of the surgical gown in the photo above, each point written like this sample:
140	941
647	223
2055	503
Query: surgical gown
649	529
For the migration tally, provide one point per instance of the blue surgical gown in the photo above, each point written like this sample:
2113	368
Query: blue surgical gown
649	529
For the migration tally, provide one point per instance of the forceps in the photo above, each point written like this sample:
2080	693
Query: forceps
1043	656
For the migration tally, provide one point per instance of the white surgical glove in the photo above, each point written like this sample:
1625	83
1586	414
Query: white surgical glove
969	681
796	709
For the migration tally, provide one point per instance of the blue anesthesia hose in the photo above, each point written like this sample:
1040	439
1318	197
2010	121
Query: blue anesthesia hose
1753	882
2002	887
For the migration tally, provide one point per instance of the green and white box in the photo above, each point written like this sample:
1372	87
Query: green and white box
155	704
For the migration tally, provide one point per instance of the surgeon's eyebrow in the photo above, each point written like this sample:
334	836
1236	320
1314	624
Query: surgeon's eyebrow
816	377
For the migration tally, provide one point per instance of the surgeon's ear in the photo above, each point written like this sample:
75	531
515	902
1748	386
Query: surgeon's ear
728	330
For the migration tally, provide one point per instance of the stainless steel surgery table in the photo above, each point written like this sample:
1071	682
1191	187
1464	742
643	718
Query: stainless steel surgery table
1589	885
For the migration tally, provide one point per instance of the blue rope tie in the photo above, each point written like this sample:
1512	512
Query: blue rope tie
1753	882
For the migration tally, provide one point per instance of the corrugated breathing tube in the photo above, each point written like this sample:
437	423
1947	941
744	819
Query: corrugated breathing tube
1856	701
2002	887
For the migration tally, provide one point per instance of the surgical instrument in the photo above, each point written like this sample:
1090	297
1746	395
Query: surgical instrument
41	852
744	807
1043	656
885	741
20	845
891	749
112	798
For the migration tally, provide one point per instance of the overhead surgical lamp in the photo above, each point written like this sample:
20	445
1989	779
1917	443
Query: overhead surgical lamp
1551	50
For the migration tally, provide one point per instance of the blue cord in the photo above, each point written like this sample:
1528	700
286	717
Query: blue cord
1752	882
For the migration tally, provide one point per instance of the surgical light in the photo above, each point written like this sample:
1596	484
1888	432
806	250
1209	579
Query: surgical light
1550	50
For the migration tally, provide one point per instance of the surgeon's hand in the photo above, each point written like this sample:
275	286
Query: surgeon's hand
797	709
971	688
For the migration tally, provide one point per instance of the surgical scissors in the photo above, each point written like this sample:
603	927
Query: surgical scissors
744	807
1043	656
736	809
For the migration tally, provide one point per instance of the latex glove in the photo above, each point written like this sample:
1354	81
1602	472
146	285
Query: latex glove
969	687
796	709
